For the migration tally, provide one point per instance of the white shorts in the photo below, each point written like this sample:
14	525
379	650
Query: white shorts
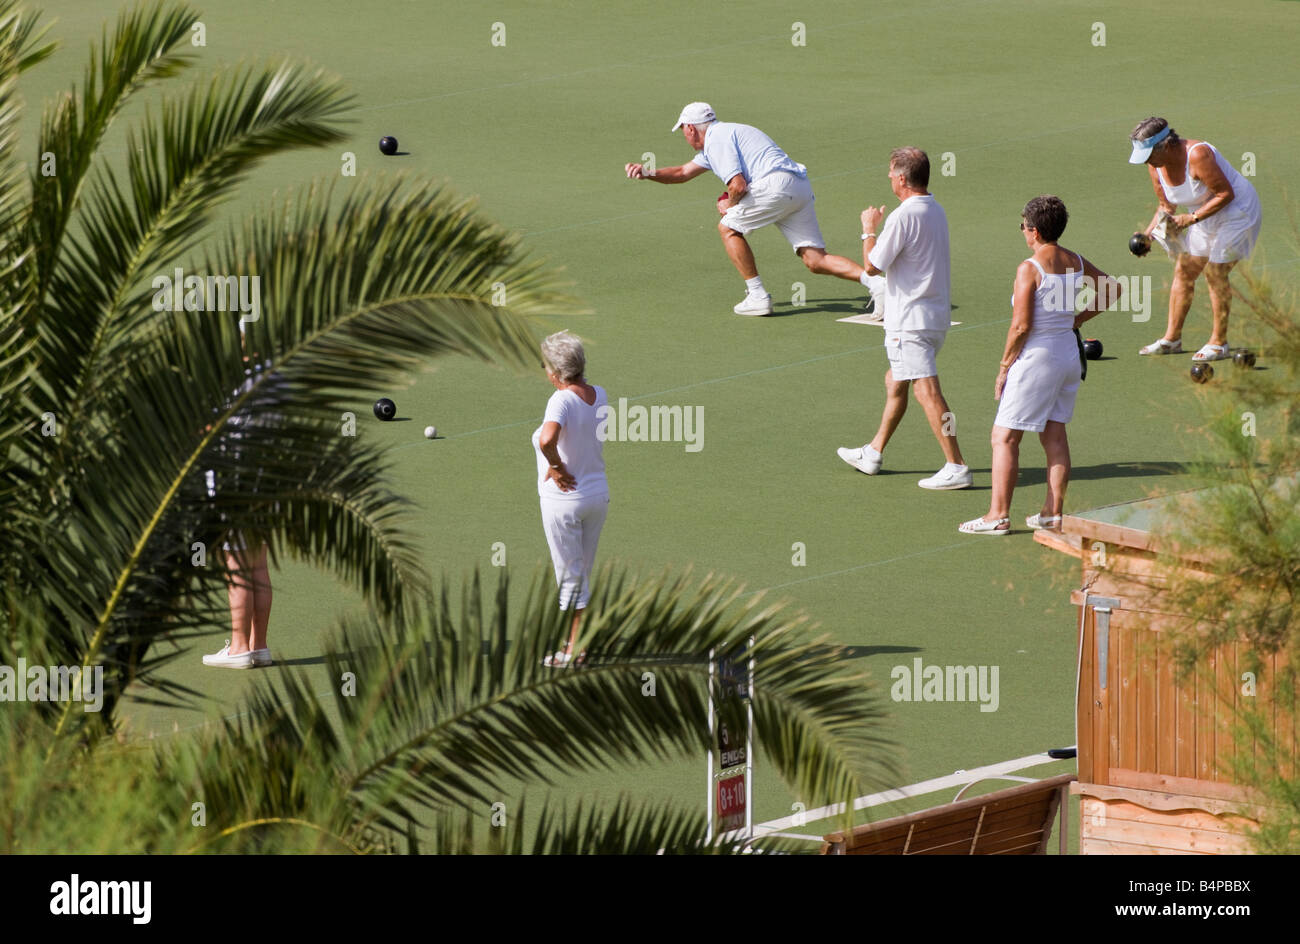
572	527
783	199
1229	240
912	353
1041	385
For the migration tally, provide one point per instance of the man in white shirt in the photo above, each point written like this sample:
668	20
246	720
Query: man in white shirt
763	186
912	252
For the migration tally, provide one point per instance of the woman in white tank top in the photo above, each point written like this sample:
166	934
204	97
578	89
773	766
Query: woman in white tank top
1040	369
1218	230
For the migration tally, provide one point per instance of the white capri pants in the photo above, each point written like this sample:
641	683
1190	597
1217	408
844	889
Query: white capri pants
572	527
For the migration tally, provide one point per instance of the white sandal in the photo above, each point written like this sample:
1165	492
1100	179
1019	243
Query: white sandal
1042	522
1212	352
980	526
1162	346
562	659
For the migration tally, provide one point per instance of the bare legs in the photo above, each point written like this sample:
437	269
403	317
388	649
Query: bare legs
1186	271
817	260
250	599
895	407
573	631
930	396
1216	276
1006	467
936	411
738	251
820	262
1057	449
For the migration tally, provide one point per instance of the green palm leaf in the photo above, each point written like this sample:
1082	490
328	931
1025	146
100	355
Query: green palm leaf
450	712
105	523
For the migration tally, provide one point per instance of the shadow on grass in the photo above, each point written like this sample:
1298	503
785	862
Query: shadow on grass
1107	470
311	660
866	652
839	306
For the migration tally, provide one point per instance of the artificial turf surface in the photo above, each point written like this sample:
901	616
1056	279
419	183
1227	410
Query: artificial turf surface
540	128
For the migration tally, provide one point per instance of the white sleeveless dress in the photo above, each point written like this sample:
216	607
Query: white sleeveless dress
1044	380
1228	235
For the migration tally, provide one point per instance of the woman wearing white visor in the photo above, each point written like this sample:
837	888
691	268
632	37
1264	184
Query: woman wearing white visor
1218	230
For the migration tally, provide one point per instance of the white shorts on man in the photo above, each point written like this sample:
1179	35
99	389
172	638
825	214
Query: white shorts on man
572	521
781	198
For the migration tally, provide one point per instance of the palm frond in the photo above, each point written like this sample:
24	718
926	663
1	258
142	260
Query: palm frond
435	724
356	292
142	49
180	167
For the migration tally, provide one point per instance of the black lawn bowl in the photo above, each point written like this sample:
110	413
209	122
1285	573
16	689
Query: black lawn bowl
1202	373
1092	349
1244	359
1139	244
388	145
385	409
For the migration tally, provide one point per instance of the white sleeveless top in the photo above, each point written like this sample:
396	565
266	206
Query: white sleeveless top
1055	302
1193	193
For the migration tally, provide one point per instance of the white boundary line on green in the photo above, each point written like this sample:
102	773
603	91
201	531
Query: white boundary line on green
958	778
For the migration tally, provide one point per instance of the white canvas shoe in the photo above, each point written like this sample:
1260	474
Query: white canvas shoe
262	657
864	459
949	477
754	305
224	660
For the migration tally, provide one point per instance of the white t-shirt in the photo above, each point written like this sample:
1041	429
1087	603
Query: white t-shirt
731	149
912	251
580	449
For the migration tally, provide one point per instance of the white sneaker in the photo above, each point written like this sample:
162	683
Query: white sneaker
754	305
224	660
262	657
865	459
949	477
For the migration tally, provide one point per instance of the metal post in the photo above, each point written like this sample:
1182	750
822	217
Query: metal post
708	770
749	750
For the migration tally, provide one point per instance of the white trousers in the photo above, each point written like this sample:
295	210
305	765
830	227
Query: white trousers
572	527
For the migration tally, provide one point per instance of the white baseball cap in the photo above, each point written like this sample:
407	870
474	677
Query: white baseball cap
696	113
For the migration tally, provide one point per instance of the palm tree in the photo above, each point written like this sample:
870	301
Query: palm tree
113	409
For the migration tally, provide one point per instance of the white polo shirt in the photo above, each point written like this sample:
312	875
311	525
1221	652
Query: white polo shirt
731	149
912	251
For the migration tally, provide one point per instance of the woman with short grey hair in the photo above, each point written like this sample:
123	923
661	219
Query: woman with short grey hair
564	356
571	477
